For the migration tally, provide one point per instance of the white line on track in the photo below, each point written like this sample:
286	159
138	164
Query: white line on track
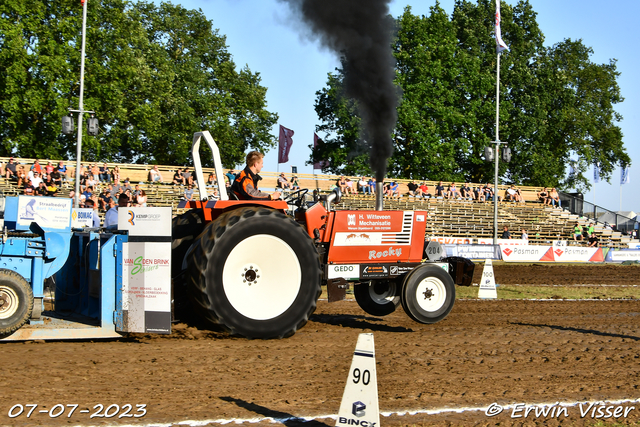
435	411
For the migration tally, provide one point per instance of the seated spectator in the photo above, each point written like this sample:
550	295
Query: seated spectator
295	184
594	241
10	169
479	193
423	190
115	174
52	189
116	188
49	168
511	195
488	192
56	177
553	198
577	232
95	173
283	182
413	188
452	192
505	233
95	217
41	189
141	199
231	176
342	184
372	185
188	193
543	195
22	175
29	189
36	180
350	187
88	192
440	192
188	178
393	190
62	170
466	192
105	199
155	175
524	235
126	186
178	179
36	167
105	173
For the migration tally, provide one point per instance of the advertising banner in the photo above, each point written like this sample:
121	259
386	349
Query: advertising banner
577	254
526	253
474	251
621	255
452	240
145	221
48	212
503	242
82	217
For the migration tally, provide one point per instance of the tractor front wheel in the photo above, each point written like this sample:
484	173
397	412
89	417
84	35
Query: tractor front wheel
378	297
256	272
16	301
428	294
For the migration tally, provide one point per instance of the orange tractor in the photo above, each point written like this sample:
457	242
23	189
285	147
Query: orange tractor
257	268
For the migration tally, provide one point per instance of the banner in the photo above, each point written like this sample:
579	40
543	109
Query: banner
596	173
624	175
501	45
621	255
473	251
322	163
484	241
286	141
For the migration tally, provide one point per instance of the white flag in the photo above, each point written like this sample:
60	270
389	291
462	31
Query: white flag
501	45
624	175
596	173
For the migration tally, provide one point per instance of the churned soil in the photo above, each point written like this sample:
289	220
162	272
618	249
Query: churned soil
485	352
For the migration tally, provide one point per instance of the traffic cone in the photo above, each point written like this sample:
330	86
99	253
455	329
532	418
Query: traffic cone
488	282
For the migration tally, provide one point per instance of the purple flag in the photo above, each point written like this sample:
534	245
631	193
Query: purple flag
320	164
501	45
286	141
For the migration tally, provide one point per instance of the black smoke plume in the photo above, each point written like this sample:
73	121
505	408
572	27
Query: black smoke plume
360	31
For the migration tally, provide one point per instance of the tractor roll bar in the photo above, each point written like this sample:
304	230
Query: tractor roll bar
217	164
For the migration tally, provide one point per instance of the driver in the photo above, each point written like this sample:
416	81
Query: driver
245	186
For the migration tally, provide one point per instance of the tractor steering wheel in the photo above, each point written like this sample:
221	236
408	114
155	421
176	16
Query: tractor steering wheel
297	197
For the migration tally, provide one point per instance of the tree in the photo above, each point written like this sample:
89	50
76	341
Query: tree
153	74
555	104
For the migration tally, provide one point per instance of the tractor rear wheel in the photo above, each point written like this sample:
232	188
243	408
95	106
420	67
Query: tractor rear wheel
184	230
428	294
378	297
16	301
256	272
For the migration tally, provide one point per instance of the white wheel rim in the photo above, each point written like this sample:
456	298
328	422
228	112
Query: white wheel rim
274	284
8	302
431	294
385	297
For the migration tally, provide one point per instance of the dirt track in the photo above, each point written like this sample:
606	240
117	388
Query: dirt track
506	352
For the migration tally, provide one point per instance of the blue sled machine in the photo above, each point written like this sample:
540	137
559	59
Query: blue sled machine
64	282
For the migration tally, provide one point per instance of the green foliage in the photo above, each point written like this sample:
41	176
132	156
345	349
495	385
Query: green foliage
555	104
153	74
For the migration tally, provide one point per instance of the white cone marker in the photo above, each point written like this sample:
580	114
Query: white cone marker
488	282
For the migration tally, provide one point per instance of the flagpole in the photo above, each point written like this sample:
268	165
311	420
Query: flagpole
497	154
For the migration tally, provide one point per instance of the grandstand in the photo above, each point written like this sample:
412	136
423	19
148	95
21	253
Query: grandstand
447	218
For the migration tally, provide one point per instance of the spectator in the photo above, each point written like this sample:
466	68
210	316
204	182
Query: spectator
283	183
126	186
466	192
188	193
95	217
423	190
511	195
56	177
155	175
49	168
372	185
10	169
524	235
505	233
115	174
554	198
111	217
479	193
440	192
188	178
453	193
342	183
116	187
88	192
41	189
577	232
105	173
95	173
29	189
350	187
363	185
22	175
231	176
36	180
393	189
413	188
295	185
178	179
488	192
211	180
594	242
141	199
36	167
62	170
543	195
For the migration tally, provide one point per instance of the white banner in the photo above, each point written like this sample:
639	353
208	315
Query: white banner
574	254
526	253
48	212
503	242
145	221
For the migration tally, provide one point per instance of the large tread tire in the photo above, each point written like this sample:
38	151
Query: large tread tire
378	297
428	294
255	272
185	228
16	301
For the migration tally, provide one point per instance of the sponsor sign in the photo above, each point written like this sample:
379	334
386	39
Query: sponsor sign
81	218
48	212
146	290
633	245
372	271
357	239
145	221
576	254
474	251
347	271
622	255
453	240
526	253
370	221
399	270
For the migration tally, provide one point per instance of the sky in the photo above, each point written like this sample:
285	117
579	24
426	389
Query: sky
263	35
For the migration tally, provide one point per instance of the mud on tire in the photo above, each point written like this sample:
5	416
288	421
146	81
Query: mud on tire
256	272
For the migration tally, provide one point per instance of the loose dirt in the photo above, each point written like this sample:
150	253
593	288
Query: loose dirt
484	352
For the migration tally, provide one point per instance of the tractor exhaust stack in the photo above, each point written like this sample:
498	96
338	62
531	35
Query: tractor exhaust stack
379	196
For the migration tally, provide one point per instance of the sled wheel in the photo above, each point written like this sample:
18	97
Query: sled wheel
184	230
378	297
16	301
256	272
428	294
